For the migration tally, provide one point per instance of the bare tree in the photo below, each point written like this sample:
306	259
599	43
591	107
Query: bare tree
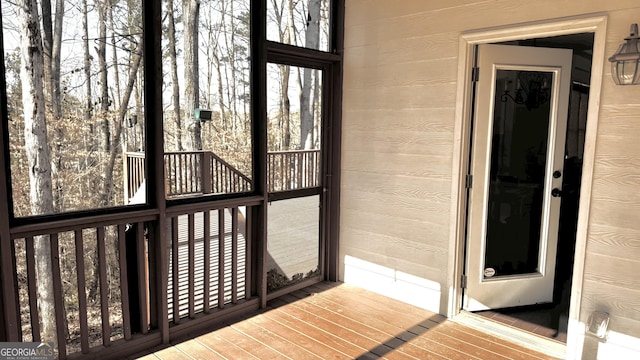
284	104
221	104
52	43
175	95
312	41
47	44
105	133
230	33
37	150
191	14
56	95
87	111
114	49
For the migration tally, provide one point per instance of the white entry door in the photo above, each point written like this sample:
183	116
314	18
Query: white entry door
516	175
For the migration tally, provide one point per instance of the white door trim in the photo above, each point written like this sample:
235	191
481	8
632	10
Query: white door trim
594	23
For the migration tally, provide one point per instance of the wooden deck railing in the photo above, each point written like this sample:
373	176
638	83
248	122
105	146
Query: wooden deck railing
107	298
133	173
187	173
194	257
99	280
291	170
203	172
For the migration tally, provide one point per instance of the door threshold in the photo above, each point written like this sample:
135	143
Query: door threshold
521	337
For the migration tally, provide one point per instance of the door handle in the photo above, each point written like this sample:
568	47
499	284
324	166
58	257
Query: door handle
556	192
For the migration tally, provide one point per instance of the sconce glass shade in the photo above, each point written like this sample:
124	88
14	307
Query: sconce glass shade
625	63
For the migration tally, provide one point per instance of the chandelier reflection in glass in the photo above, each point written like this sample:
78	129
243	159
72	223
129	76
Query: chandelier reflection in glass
532	89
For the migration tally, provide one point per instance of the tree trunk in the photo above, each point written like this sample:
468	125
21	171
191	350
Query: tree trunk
221	105
47	46
37	150
87	64
56	96
312	40
51	42
285	107
105	133
56	107
284	104
190	13
171	34
87	113
316	108
116	66
227	76
232	62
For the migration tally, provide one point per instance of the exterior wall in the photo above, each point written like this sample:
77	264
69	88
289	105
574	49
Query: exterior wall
400	75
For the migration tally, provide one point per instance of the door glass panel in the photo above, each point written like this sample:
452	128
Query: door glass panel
294	127
293	230
293	174
517	172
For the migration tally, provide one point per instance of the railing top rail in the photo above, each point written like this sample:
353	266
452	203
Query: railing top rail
189	152
91	221
292	151
137	154
142	154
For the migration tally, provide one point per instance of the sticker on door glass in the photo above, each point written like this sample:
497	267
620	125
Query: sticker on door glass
489	272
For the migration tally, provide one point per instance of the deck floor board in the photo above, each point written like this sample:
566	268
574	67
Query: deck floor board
340	321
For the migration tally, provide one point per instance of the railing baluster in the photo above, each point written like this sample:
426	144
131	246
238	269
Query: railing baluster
142	278
175	269
127	177
221	239
170	176
186	173
199	186
57	295
206	173
269	172
32	286
196	184
316	171
191	264
179	169
104	289
309	169
221	174
190	173
248	239
207	261
234	255
298	169
124	282
133	173
82	292
292	172
176	176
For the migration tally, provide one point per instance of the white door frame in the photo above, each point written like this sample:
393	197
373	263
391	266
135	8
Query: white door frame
594	23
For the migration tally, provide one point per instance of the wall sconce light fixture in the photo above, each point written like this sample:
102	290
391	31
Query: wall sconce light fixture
625	63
